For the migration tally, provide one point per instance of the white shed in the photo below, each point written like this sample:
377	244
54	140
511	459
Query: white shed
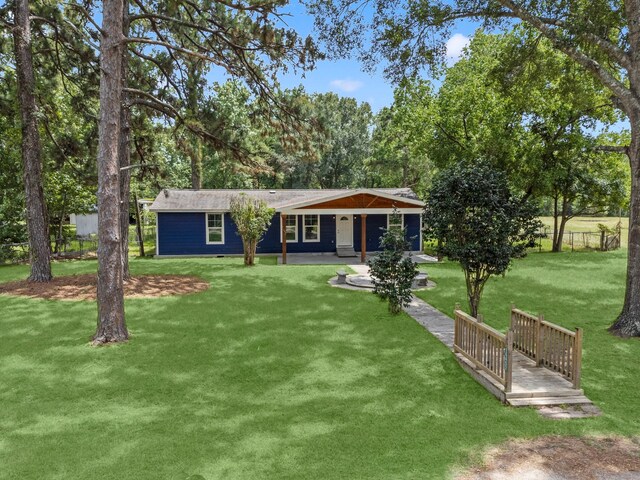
85	224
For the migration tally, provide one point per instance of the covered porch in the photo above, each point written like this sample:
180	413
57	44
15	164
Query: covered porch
349	225
333	259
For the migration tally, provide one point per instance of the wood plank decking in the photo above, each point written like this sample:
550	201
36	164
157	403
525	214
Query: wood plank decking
530	385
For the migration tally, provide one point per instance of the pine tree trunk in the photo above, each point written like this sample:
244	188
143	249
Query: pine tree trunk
110	295
124	151
37	218
628	322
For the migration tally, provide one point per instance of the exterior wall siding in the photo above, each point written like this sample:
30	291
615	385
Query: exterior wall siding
412	224
184	233
271	240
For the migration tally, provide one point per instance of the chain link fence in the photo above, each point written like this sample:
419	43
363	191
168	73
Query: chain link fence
74	246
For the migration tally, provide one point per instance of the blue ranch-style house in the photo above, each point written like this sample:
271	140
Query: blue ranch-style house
340	222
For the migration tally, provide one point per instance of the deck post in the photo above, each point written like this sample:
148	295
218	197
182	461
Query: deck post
456	323
508	374
577	358
363	237
478	352
539	340
513	307
283	219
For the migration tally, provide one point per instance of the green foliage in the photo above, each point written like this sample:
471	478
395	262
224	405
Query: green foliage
252	218
335	145
392	272
401	147
479	223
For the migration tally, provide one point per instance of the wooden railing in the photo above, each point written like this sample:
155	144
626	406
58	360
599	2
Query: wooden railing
550	345
490	350
525	329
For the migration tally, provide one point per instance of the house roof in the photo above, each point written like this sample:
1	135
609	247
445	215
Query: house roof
170	200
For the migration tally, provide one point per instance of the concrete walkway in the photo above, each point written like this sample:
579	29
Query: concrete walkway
436	322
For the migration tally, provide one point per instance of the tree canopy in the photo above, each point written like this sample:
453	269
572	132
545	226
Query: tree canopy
479	223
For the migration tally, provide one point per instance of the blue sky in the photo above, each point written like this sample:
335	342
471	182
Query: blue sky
347	77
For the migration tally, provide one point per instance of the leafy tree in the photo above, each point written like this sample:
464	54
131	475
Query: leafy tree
252	218
347	127
391	272
583	183
478	222
333	151
66	195
401	142
601	37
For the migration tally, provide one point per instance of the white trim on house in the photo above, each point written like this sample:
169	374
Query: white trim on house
208	228
352	211
157	237
401	219
295	240
304	228
350	193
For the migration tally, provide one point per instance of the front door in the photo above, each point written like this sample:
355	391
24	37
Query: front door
344	230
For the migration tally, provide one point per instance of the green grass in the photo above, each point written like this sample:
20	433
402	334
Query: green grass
272	373
589	224
578	225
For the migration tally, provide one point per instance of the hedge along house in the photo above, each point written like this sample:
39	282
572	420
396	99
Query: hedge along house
341	222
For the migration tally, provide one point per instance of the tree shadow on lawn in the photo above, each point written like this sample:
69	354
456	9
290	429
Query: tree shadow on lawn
271	373
573	290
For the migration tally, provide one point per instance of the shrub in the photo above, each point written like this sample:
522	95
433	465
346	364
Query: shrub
391	272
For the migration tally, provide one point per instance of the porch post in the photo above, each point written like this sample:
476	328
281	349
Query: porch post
363	237
283	219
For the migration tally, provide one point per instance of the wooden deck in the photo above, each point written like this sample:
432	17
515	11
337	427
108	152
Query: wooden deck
551	383
530	385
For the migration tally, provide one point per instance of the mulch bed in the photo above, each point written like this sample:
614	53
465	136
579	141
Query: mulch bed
557	457
83	287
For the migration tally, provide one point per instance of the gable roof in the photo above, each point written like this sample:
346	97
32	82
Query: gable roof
170	200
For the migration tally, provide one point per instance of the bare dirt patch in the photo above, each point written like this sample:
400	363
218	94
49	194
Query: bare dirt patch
561	458
83	287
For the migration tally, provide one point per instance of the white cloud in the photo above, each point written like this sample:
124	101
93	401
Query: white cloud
456	44
347	85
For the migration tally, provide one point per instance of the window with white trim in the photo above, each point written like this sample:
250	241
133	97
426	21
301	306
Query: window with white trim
311	228
395	221
291	227
215	228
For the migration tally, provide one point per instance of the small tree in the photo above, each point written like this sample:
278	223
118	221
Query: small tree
252	218
391	272
479	223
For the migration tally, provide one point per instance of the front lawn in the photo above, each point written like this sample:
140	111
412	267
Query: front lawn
272	373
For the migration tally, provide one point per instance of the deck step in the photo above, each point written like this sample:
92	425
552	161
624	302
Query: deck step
545	401
346	252
569	392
